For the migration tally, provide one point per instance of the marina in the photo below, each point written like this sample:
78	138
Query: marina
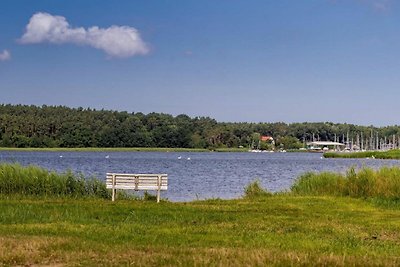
357	142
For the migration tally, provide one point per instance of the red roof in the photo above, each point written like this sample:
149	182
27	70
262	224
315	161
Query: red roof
266	138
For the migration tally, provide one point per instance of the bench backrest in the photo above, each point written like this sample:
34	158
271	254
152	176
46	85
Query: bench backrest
137	181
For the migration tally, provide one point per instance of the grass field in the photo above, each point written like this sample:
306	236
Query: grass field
313	225
277	230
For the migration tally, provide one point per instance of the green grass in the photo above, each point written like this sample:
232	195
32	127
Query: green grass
390	154
327	220
276	230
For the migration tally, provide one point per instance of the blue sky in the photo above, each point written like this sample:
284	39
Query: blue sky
254	61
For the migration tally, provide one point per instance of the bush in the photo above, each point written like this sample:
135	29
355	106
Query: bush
148	196
254	190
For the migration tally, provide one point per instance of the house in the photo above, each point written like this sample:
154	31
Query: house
267	138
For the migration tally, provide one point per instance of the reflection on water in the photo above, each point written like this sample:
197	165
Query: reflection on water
196	175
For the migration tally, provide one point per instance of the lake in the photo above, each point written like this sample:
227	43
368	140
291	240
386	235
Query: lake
196	175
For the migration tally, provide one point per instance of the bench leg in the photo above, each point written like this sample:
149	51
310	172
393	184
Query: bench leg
158	196
113	187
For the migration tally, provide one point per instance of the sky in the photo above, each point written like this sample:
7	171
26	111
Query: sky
234	61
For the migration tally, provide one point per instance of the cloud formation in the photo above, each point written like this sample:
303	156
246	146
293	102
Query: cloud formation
5	55
116	41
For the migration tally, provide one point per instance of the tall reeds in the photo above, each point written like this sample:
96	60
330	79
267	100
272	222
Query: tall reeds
389	154
364	183
36	181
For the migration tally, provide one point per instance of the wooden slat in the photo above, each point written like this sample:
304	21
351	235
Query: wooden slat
131	184
132	187
136	174
139	181
140	177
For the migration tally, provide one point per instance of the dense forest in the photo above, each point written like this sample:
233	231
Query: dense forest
60	126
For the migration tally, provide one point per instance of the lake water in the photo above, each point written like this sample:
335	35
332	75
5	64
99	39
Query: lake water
205	175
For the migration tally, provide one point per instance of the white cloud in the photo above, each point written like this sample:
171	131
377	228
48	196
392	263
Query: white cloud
5	55
116	41
381	5
378	5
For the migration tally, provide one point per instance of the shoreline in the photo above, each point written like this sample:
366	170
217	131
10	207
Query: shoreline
119	149
134	149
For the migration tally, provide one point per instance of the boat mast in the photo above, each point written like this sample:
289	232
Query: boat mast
362	142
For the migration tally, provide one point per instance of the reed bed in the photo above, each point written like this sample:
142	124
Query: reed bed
390	154
364	183
17	180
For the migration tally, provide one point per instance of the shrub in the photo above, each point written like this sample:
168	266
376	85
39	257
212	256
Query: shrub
254	190
148	196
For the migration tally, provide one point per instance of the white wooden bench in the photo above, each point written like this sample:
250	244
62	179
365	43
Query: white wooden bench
136	182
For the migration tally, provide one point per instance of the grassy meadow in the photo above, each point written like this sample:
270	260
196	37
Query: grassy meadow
317	222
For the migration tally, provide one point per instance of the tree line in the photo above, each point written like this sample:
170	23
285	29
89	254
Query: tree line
61	126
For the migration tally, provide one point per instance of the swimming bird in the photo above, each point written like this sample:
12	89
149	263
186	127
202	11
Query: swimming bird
108	156
61	156
188	158
179	157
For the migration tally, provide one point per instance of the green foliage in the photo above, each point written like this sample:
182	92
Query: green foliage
38	182
365	183
60	126
254	190
288	142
